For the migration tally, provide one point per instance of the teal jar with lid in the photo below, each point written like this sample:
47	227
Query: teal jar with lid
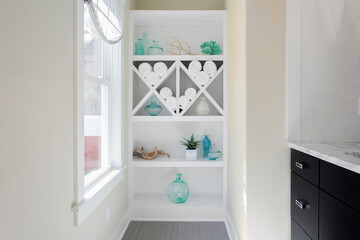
153	109
155	49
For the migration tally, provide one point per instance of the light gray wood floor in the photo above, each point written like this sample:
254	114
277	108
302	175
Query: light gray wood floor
141	230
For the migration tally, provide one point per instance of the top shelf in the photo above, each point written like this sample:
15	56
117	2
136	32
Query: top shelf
177	57
181	17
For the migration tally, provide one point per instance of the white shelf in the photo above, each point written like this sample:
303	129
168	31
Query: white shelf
164	161
177	57
178	17
157	207
196	200
177	118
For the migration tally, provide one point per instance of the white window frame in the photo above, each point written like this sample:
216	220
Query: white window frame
87	198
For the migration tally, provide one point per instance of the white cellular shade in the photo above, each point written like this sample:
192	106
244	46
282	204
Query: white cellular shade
105	16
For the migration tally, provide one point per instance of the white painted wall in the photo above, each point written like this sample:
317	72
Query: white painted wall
259	163
237	114
36	127
267	161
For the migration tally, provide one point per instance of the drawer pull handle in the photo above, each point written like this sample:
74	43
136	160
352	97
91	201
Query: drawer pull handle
299	165
300	203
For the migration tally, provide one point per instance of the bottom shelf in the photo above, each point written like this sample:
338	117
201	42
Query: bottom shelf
193	200
159	207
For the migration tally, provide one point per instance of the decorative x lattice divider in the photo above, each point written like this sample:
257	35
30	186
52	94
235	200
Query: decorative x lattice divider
176	67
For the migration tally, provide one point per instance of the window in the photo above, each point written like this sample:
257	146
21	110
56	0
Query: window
97	81
98	111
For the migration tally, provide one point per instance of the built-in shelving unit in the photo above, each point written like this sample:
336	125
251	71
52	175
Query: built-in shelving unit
148	179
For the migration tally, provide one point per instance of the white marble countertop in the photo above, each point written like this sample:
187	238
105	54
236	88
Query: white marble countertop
335	153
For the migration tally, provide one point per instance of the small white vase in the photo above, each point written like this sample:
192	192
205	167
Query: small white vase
191	154
203	107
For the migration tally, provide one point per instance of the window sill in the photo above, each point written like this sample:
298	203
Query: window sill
96	193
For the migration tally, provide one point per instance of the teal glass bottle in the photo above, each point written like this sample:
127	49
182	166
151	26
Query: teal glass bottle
139	47
206	142
178	190
146	43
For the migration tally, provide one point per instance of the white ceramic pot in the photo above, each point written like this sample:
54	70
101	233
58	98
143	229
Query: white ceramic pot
191	154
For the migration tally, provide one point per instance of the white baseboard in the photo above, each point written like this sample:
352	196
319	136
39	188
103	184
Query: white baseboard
230	226
119	233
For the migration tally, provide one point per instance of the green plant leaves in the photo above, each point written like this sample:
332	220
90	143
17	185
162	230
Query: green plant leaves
192	138
190	143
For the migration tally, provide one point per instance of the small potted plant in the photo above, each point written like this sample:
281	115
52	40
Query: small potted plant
191	147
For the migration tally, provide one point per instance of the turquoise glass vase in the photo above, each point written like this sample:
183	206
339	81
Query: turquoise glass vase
206	142
178	190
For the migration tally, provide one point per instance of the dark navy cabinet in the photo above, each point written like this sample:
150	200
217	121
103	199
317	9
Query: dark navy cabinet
337	220
341	183
304	205
325	200
297	233
305	166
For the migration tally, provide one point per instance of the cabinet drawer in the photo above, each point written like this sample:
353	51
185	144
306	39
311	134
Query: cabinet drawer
297	233
342	183
337	220
304	205
305	165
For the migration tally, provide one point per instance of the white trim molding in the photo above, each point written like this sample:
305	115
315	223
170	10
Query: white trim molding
78	96
120	231
96	194
87	198
230	226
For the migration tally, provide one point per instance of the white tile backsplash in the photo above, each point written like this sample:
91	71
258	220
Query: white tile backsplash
330	70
